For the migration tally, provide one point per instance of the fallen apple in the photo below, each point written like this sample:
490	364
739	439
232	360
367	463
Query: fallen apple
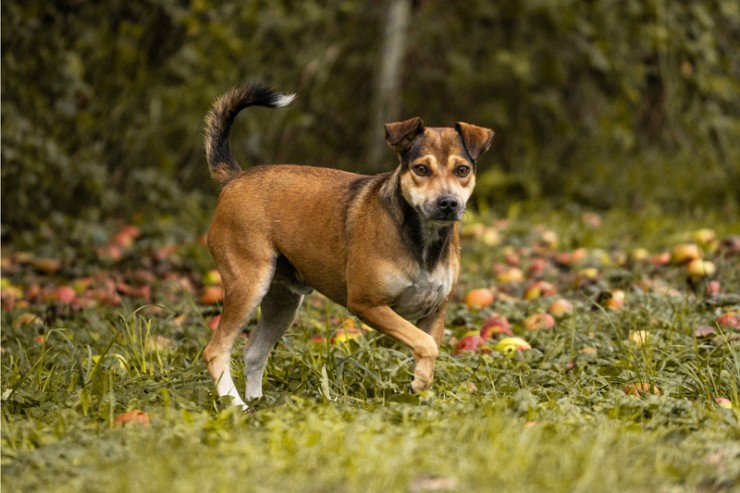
660	259
345	334
685	252
65	294
729	320
539	289
213	322
511	275
26	319
699	268
135	416
495	324
723	402
560	308
639	337
614	300
539	321
211	295
478	298
641	388
704	236
512	345
639	255
212	278
469	343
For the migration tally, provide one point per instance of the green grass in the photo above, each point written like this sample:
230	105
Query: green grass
338	418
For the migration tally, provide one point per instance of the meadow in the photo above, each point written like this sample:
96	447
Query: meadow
583	352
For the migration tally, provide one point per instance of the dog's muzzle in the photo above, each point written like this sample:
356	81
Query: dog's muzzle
447	208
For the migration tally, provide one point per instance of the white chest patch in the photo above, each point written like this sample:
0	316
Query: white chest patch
416	297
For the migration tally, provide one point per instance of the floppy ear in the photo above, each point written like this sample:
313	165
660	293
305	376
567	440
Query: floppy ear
400	135
476	140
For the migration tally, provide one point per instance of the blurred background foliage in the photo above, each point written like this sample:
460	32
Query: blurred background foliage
602	103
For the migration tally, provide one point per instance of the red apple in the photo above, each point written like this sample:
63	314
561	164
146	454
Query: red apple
660	259
560	308
135	416
211	295
641	388
539	289
723	402
469	343
65	294
493	325
539	321
615	300
478	298
729	320
213	322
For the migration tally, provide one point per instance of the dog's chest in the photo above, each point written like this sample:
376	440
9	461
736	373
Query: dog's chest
418	295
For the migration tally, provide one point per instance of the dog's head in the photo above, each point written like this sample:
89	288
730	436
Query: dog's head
438	165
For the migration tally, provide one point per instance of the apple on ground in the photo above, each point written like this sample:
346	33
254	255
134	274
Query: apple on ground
510	275
212	278
729	320
640	388
712	288
699	268
213	322
469	343
135	416
660	259
704	236
560	308
65	294
615	299
539	321
211	295
539	289
586	277
512	345
639	255
345	334
495	324
723	402
478	298
685	252
639	337
26	319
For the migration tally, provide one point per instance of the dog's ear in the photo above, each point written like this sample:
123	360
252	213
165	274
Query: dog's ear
400	135
476	140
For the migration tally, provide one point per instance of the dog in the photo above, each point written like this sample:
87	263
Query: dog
385	246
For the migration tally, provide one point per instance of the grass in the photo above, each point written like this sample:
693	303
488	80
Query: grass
338	417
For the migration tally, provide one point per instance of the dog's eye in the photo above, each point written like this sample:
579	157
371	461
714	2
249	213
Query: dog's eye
422	170
462	171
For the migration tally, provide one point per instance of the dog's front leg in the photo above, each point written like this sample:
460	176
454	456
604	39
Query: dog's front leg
434	324
423	345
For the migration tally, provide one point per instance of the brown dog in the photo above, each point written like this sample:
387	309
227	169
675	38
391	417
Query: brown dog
384	246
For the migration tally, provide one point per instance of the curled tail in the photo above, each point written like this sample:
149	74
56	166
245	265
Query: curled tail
221	162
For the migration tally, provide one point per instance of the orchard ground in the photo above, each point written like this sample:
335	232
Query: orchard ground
583	352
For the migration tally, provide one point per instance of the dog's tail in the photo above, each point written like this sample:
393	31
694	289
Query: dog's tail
221	162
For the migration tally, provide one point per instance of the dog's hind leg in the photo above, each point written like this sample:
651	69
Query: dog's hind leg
278	308
242	294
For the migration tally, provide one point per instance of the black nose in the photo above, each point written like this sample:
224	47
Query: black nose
447	203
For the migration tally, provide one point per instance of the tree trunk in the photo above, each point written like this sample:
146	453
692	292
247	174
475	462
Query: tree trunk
386	104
